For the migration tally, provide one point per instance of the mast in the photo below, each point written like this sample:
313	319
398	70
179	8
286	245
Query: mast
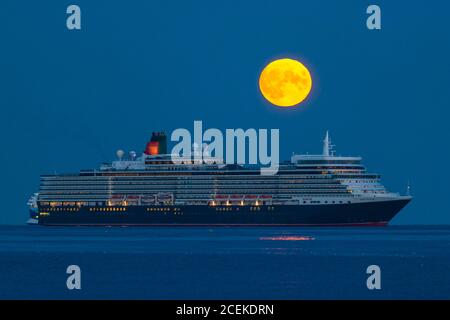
326	145
328	148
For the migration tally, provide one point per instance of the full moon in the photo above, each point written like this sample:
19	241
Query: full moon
285	82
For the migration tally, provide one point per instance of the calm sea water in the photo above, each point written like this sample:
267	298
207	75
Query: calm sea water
224	263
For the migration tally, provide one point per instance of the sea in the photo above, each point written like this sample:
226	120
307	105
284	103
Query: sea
411	262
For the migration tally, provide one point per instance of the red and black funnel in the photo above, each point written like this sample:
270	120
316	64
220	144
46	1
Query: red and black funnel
157	144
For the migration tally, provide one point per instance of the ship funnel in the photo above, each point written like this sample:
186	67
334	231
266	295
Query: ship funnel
157	144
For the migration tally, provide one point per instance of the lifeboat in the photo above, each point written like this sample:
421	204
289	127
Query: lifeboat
148	199
133	197
221	196
116	199
132	200
165	196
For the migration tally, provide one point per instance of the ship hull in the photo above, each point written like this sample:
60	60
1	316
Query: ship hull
372	213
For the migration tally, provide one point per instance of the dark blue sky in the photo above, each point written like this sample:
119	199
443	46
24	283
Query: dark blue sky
70	99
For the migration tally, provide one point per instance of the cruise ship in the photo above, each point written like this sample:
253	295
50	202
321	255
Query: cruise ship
151	189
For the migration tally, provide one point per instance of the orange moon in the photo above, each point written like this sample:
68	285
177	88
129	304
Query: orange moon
285	82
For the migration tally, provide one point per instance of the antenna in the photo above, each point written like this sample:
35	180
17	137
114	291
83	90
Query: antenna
332	151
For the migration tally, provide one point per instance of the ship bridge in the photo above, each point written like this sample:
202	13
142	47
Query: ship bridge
349	171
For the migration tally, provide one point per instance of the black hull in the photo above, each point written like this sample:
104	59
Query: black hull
375	213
